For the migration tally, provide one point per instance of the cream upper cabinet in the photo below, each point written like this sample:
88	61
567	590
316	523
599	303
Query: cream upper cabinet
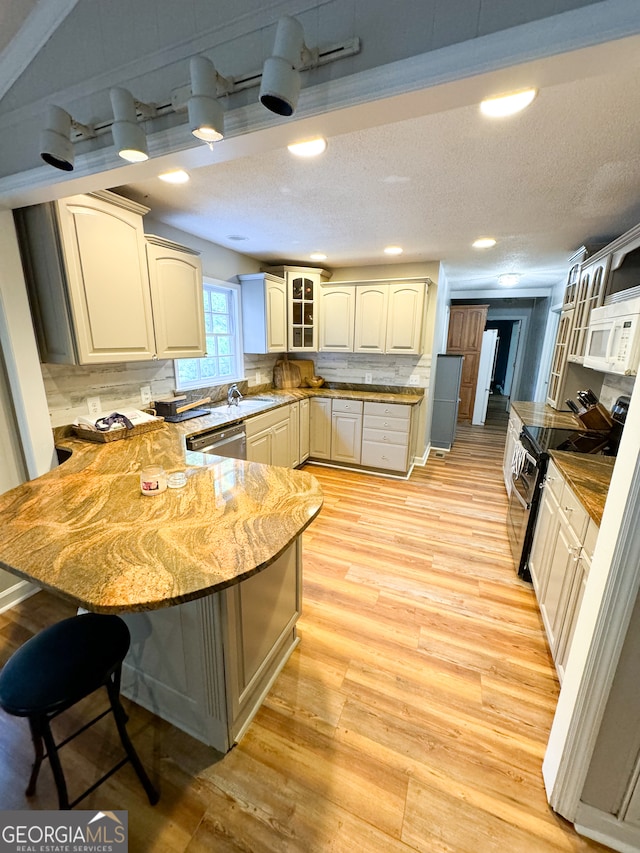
264	313
337	310
175	277
371	317
404	318
86	267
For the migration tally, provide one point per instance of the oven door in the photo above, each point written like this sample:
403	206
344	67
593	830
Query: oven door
521	500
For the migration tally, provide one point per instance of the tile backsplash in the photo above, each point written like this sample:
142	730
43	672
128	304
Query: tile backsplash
118	385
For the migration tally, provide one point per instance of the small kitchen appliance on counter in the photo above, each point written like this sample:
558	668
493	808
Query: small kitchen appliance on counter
176	409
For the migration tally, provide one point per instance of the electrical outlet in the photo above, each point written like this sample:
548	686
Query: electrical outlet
94	406
414	380
368	378
145	394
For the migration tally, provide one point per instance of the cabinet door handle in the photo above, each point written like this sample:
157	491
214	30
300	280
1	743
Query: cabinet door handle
569	509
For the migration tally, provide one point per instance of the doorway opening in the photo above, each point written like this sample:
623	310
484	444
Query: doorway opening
502	385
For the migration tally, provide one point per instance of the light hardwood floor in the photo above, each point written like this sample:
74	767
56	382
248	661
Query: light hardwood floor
412	717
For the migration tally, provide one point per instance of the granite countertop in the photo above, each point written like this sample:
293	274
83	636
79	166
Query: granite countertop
223	415
85	531
540	414
588	476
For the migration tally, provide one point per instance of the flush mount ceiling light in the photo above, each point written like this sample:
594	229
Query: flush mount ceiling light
393	250
484	243
509	279
309	147
318	256
128	136
176	176
280	85
56	148
506	105
206	116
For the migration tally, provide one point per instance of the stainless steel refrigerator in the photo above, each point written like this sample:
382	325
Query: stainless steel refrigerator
446	400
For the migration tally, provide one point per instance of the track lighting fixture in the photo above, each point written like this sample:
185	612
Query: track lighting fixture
279	90
128	136
56	148
206	117
280	86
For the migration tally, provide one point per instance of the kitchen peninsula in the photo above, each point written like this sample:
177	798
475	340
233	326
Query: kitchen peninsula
208	577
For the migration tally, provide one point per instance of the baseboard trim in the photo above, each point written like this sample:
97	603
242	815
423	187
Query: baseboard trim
17	593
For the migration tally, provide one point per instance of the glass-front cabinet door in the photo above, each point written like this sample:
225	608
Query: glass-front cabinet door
302	313
304	310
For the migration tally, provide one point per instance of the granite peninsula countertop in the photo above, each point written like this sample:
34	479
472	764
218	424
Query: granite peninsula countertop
589	477
85	531
540	414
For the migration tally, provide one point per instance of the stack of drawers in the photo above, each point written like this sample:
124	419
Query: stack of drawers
385	436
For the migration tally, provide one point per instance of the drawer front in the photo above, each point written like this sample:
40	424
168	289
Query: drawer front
352	406
387	424
388	410
388	456
385	436
575	513
554	481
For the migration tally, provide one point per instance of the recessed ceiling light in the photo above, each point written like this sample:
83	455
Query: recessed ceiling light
308	148
177	176
393	250
483	243
509	279
238	238
318	256
506	105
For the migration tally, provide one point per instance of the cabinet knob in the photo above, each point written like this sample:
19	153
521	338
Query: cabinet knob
568	509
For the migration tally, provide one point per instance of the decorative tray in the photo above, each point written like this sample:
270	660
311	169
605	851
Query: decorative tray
116	434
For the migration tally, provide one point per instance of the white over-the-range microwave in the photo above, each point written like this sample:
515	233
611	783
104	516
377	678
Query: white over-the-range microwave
613	338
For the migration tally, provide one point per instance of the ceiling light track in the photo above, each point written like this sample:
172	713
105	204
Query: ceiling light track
279	82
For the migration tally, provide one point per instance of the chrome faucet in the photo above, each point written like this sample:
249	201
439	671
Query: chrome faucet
233	395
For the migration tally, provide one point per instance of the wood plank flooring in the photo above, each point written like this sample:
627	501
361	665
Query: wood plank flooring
412	717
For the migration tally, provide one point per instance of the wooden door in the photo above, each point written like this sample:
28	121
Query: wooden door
466	325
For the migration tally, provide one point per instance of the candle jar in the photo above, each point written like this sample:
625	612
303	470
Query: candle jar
153	480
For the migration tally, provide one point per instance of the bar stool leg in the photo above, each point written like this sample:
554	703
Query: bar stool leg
36	737
120	718
54	760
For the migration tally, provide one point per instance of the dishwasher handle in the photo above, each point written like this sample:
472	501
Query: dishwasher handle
215	438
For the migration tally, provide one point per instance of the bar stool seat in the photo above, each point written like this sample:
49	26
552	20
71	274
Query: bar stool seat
56	669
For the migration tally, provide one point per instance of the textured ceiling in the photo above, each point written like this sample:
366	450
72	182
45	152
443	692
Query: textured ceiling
565	171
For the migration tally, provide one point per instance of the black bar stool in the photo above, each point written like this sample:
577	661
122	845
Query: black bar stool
59	667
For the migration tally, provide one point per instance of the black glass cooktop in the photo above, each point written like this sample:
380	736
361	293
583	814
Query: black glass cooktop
542	439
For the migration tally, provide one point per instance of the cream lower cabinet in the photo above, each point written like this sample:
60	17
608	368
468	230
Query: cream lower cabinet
269	438
304	430
294	435
320	428
560	557
346	431
386	436
374	435
206	666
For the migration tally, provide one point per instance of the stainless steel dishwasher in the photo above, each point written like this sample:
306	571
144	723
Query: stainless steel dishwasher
228	441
